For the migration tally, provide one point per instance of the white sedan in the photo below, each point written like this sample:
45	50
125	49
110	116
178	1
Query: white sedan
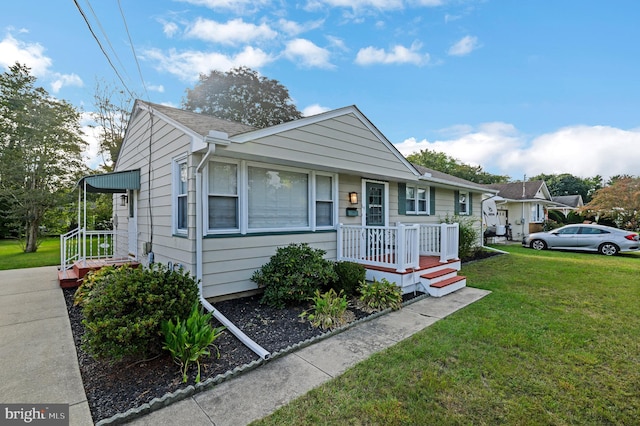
604	239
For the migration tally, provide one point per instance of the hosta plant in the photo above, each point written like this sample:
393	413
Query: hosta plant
329	310
189	340
380	295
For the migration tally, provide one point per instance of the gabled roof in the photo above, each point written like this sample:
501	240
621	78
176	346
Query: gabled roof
521	191
569	200
440	177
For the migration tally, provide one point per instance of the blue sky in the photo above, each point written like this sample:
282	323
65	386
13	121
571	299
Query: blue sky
516	87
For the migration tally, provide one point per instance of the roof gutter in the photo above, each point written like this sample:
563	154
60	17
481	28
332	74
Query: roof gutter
450	184
259	350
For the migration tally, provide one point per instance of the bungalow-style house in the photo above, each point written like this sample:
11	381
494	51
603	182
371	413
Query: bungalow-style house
523	206
218	197
567	203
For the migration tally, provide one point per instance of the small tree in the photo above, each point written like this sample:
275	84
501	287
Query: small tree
241	95
619	202
40	151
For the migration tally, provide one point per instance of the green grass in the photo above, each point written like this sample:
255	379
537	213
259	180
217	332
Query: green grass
12	256
556	342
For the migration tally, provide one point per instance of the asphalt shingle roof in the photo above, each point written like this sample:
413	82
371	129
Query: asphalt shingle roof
513	190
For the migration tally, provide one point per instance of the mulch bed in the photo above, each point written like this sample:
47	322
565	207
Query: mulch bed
113	388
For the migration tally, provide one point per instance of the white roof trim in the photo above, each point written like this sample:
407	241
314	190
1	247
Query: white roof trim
290	125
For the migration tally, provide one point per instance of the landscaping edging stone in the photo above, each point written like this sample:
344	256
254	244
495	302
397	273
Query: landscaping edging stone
187	392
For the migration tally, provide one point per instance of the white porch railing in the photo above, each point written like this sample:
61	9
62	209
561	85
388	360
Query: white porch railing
81	245
398	247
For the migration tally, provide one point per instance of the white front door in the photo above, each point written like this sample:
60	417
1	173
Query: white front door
133	225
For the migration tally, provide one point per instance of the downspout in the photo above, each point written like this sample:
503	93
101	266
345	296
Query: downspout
259	350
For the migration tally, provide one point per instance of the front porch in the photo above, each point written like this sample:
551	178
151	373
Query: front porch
417	257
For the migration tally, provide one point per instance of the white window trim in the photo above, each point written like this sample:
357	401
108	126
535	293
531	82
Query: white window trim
417	211
466	211
243	197
176	162
539	208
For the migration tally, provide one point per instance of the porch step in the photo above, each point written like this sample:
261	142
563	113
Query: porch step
73	277
436	276
444	287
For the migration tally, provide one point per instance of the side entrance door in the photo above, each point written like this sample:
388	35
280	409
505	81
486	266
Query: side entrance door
375	204
133	225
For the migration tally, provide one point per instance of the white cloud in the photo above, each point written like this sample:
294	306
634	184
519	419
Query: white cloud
294	28
156	88
91	136
583	151
233	5
314	110
307	54
170	29
188	65
464	46
232	32
29	54
63	80
397	55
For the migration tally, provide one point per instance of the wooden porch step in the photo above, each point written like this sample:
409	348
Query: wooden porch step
74	276
438	275
69	279
444	287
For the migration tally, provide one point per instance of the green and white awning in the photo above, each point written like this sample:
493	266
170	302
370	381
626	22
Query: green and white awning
112	183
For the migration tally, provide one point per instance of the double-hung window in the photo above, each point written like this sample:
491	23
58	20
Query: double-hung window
416	200
537	213
223	196
463	203
180	191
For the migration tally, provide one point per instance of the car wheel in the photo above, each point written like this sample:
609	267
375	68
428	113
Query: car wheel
538	245
608	249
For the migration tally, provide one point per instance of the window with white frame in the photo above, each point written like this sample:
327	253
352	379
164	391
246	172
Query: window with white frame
416	200
223	196
324	200
249	197
180	190
463	203
537	212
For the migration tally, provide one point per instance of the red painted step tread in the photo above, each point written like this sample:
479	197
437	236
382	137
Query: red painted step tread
436	274
448	281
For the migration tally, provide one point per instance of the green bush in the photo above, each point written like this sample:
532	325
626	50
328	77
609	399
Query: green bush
189	340
329	310
380	295
293	274
124	309
468	235
350	274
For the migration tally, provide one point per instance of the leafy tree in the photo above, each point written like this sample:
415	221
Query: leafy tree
568	184
619	202
443	163
112	108
40	150
241	95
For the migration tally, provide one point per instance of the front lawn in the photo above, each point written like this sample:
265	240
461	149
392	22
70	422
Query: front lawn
12	256
556	342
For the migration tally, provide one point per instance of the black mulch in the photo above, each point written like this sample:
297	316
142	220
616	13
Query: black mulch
113	388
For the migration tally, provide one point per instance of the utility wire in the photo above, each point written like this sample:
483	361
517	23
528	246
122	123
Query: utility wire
135	57
101	47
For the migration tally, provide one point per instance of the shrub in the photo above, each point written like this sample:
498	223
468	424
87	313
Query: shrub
380	295
329	310
124	309
293	274
82	293
468	235
350	274
189	340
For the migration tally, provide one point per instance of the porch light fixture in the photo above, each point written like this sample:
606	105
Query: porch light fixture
353	197
123	200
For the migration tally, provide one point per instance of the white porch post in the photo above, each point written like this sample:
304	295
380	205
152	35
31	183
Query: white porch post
444	241
82	239
340	243
401	249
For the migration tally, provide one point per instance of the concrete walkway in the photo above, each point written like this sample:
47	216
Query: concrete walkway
39	361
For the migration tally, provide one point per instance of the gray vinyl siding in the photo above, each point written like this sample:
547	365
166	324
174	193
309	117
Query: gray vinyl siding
338	144
155	213
229	262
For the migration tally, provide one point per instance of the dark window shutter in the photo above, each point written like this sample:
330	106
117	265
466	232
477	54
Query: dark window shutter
456	202
432	200
402	198
470	208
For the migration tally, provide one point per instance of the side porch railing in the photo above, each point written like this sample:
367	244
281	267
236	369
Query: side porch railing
82	245
398	247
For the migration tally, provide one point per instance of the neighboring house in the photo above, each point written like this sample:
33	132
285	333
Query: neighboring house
219	197
567	203
523	206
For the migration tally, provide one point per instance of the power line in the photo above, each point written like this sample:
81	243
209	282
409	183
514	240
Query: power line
101	47
135	57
